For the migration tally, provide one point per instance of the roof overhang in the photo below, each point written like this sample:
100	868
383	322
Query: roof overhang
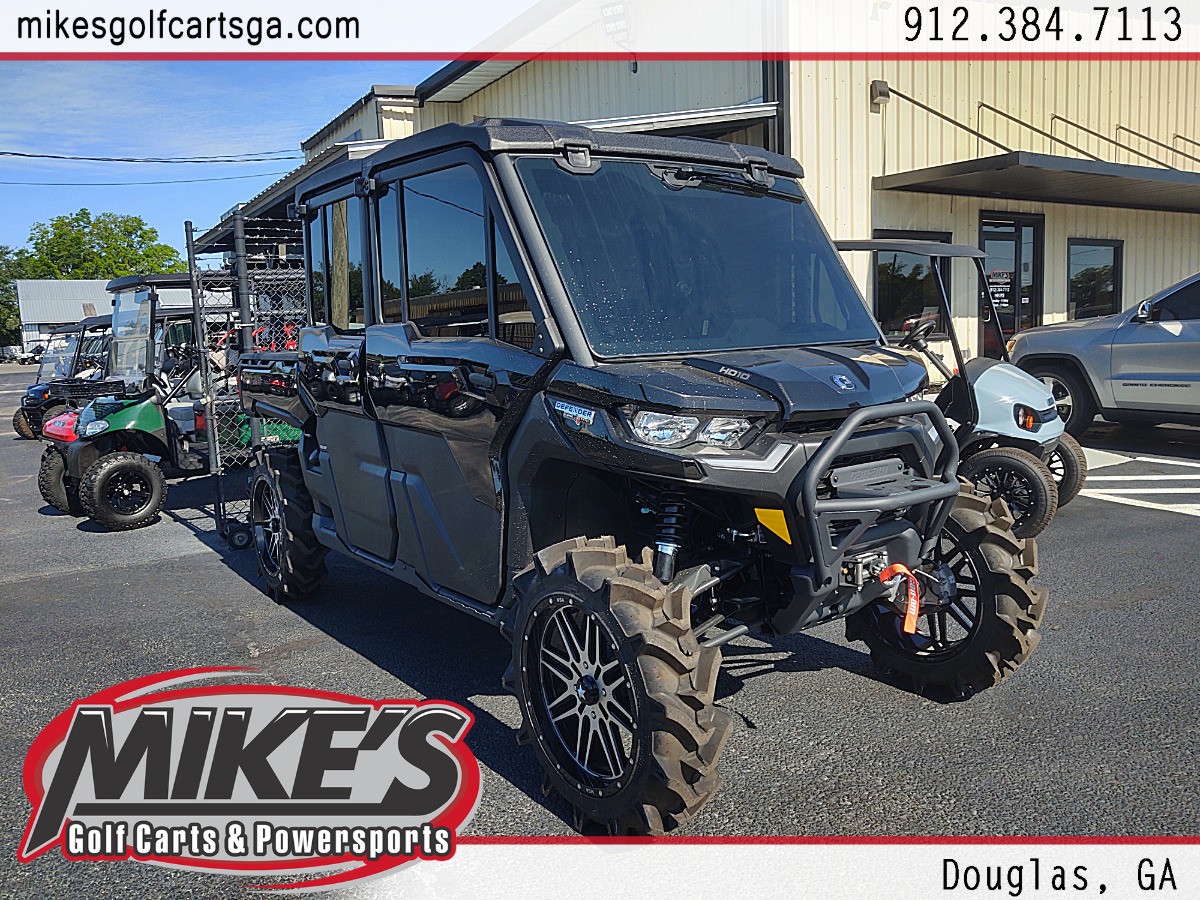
272	202
1020	175
665	123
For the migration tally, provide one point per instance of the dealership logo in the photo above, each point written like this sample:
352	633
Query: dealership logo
251	779
841	382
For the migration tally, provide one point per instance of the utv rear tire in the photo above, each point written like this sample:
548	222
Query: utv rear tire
21	425
1022	480
1068	465
632	675
122	491
52	483
290	557
993	570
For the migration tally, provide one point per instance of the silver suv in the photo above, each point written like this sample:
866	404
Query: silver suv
1142	364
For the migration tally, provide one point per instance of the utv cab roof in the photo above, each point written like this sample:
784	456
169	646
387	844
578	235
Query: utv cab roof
918	248
493	136
134	282
91	323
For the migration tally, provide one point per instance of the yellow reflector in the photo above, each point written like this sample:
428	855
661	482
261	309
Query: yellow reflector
774	522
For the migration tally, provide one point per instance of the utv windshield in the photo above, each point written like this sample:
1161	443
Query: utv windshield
131	324
58	357
672	259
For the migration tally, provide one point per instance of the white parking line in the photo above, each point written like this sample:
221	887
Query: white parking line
1168	490
1186	509
1168	462
1092	478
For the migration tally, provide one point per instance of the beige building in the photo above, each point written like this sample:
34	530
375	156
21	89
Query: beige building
1080	179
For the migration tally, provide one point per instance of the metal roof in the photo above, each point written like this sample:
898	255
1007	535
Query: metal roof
377	92
61	300
1020	175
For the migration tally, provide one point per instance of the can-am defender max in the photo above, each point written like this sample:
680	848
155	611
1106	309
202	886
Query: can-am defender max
1010	438
617	395
74	355
149	417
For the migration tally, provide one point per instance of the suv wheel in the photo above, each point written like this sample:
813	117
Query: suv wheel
52	483
1072	398
1022	480
122	491
21	425
616	694
989	627
1068	465
290	557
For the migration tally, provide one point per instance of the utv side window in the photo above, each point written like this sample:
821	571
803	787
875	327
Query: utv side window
317	268
391	274
345	261
445	248
514	320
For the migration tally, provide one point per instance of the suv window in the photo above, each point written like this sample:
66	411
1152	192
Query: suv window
1182	304
446	249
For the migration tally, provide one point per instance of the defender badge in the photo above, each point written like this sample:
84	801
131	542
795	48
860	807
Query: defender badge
841	382
576	416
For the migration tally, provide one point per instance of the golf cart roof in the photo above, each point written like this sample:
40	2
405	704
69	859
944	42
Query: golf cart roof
134	282
919	248
88	324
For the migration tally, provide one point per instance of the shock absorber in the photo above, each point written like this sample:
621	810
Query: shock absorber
669	533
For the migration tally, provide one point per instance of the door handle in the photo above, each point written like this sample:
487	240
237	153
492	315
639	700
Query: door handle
485	381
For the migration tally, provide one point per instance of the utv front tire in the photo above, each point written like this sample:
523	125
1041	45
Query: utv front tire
616	694
1022	480
122	491
290	557
52	483
989	629
21	425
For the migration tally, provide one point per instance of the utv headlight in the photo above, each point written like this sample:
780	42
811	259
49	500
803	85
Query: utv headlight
663	429
723	431
95	427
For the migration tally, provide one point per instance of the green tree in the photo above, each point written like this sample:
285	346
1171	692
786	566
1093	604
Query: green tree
13	265
424	284
475	278
108	245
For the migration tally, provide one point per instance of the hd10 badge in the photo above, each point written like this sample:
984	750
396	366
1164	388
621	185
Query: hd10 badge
260	780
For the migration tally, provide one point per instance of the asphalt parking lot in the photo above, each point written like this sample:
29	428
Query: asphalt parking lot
1097	734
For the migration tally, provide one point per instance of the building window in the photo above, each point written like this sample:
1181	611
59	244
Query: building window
906	289
1093	278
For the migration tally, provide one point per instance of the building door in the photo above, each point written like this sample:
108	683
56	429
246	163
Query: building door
1013	243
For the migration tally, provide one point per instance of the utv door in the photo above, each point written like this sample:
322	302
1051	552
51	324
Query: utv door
350	464
1154	363
447	372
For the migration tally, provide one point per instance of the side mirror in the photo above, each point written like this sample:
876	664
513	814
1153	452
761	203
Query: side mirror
1145	312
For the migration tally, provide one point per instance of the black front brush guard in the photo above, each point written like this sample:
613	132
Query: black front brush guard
866	502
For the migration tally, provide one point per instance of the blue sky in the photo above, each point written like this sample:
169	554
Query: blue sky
164	109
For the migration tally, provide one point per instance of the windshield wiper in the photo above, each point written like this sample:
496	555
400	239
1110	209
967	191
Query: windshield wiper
680	177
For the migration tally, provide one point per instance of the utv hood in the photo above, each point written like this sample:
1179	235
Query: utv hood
801	382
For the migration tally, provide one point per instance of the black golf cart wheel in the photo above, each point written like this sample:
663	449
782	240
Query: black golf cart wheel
123	491
1072	398
616	694
290	558
1021	479
989	627
52	483
1068	465
21	425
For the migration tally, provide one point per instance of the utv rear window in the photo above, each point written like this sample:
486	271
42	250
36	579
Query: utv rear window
665	260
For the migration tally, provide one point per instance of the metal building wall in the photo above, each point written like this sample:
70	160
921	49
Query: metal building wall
595	89
843	145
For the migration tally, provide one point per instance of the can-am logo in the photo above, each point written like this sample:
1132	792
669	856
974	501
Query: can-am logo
841	382
251	779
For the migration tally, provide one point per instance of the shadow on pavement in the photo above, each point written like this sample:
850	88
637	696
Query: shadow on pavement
1180	441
